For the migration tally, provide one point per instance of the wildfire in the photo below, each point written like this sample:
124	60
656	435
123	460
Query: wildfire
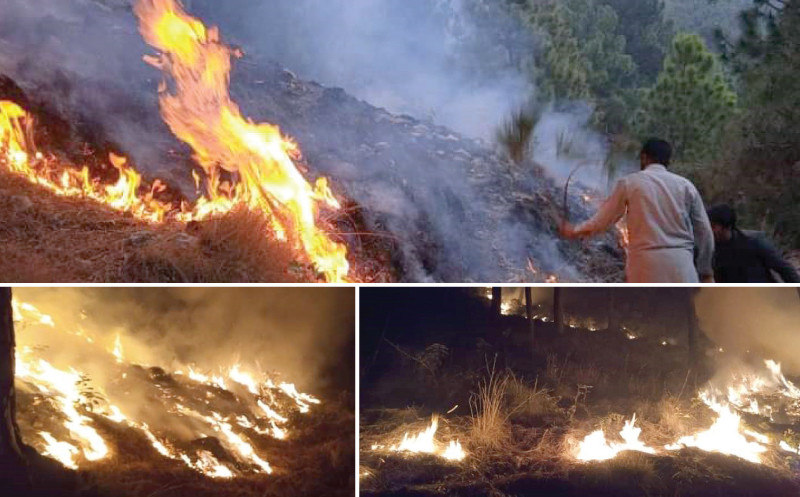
201	113
727	434
260	408
595	447
424	442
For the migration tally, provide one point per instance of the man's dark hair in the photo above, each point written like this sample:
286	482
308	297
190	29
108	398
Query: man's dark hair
658	150
722	215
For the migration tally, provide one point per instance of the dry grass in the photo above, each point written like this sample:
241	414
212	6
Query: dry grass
488	410
531	402
46	238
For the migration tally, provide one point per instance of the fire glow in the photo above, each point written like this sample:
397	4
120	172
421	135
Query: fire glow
75	436
425	442
200	112
595	447
726	435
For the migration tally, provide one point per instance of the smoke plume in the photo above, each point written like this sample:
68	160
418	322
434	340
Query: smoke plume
429	59
304	334
761	321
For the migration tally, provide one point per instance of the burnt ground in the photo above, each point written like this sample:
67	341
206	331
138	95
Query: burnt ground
555	391
318	459
424	202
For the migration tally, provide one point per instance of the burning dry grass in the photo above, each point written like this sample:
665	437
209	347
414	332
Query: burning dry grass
581	388
47	238
135	430
319	460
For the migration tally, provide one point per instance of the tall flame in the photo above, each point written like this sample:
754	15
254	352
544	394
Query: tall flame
201	113
199	110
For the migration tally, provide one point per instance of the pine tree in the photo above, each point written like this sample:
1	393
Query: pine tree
691	101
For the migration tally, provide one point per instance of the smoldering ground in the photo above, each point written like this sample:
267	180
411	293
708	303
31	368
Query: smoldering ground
305	334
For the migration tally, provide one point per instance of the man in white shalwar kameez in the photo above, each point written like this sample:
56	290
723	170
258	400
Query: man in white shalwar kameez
671	240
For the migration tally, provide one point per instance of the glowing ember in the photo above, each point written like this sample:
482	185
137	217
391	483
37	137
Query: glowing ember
201	113
425	443
595	447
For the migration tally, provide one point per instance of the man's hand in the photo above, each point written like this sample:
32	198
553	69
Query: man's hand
567	230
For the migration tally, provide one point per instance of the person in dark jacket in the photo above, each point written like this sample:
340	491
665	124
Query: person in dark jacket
745	257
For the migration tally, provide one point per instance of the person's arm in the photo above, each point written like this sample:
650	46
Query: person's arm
703	239
774	261
609	213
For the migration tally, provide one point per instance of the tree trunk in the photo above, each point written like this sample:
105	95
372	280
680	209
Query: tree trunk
497	302
10	440
613	310
691	318
529	311
558	309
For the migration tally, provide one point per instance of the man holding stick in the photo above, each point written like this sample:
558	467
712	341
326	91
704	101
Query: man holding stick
670	235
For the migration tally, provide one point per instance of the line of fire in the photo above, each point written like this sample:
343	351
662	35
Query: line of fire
177	391
579	391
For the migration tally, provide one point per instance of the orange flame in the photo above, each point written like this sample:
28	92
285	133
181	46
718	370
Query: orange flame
19	154
199	110
201	113
80	442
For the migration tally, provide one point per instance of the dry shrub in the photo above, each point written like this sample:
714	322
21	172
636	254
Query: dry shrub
673	419
488	410
530	402
236	247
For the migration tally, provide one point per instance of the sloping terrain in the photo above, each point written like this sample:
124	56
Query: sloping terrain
426	203
52	239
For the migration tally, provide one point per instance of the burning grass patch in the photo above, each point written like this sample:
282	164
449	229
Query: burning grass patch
47	238
522	436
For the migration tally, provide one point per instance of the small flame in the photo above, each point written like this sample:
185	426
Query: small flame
595	447
118	349
424	443
62	452
724	436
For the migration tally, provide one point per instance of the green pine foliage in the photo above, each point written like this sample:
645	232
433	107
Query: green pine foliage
691	102
765	176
